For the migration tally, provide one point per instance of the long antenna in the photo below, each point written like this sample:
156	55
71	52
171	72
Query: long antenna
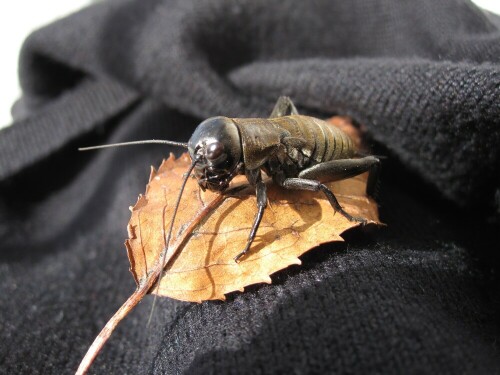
158	141
169	235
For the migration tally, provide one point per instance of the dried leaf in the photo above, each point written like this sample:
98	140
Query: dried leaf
212	228
204	268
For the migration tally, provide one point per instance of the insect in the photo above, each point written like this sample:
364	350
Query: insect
298	152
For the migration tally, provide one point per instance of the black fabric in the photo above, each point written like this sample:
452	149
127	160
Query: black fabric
420	296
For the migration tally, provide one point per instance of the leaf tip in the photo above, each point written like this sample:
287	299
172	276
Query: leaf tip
141	202
267	279
296	261
166	164
186	158
152	174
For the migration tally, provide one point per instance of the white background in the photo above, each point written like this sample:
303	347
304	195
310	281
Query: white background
18	18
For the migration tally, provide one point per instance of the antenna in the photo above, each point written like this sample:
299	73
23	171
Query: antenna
148	141
168	236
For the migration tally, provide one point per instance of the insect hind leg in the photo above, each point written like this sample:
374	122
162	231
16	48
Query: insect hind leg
284	107
313	185
336	170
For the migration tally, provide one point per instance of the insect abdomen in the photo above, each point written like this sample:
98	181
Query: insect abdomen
323	142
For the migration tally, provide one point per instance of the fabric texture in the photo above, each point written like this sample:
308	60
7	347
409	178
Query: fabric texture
420	296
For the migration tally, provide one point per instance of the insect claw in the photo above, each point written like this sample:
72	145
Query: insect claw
360	220
239	256
245	250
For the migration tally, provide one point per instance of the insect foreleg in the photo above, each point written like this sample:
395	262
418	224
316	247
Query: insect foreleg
261	192
284	107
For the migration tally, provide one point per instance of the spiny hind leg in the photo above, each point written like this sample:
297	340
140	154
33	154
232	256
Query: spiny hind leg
313	185
284	107
336	170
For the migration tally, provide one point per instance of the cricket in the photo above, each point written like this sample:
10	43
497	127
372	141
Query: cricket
298	152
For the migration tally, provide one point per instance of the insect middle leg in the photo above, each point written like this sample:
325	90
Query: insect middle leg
312	178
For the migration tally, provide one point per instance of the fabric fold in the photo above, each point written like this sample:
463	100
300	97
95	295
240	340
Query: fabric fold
74	113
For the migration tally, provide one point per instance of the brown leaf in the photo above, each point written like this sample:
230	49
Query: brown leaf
211	228
203	267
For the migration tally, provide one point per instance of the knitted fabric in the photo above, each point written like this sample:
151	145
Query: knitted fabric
419	296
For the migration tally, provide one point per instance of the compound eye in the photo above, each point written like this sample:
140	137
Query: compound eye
214	150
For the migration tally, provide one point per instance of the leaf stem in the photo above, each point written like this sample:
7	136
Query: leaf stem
110	326
144	286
